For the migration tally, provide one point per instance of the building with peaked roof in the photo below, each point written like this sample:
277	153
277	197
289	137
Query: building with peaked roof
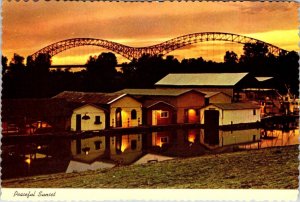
187	103
123	110
220	82
88	117
216	97
230	113
159	113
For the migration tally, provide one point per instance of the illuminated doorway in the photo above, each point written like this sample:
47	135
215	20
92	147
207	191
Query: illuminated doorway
118	117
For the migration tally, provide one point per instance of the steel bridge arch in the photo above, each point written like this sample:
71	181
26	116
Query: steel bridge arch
161	48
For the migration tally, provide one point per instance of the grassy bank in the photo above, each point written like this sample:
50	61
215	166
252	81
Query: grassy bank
271	168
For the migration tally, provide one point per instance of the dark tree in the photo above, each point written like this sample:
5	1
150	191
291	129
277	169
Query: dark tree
41	65
101	72
254	52
230	57
4	61
16	64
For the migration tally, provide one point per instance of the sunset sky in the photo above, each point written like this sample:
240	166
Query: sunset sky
30	26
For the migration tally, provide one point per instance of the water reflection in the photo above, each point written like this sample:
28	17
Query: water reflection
71	155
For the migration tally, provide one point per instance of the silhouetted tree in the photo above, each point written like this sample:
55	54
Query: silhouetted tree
41	65
288	70
230	57
16	64
101	72
4	61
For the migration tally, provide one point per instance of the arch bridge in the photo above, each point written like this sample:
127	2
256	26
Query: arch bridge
161	48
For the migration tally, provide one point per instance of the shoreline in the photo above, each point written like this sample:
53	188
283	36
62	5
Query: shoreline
273	168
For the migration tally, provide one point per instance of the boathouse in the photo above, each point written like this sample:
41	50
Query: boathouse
228	83
88	117
165	106
230	113
216	97
123	110
159	113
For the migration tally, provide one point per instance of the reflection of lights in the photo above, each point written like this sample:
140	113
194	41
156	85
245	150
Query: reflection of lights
39	124
124	146
28	161
192	136
86	150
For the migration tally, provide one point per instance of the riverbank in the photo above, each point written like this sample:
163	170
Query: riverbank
270	168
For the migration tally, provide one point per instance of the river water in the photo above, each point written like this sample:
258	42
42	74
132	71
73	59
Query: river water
75	155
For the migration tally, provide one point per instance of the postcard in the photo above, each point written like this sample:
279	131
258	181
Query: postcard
149	101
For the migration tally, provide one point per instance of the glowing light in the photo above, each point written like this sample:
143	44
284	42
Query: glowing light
28	161
192	136
125	143
192	115
39	147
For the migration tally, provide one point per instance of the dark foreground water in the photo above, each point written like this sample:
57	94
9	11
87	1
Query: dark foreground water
74	155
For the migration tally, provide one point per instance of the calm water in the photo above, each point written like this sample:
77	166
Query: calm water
67	155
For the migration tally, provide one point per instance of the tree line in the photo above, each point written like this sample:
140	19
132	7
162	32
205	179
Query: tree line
35	80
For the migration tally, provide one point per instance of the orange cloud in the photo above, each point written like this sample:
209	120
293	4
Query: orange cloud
30	26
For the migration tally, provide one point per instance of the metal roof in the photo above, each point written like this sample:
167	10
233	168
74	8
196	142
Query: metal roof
209	94
263	78
151	103
156	92
236	106
202	79
90	97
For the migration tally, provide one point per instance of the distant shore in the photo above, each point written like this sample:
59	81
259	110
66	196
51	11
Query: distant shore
269	168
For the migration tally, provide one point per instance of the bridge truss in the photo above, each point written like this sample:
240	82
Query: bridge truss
162	48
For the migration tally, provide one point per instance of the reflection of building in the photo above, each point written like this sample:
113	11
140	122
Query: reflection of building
239	136
88	148
125	148
88	117
160	138
231	137
231	113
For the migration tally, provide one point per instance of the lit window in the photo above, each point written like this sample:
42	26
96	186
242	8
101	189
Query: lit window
133	114
97	120
164	114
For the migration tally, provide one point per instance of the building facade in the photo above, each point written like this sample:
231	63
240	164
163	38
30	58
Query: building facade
231	113
88	118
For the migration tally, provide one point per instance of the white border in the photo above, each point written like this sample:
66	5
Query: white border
152	194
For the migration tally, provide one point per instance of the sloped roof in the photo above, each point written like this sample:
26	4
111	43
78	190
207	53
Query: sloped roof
150	103
93	105
202	79
90	97
236	106
156	92
263	78
209	94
